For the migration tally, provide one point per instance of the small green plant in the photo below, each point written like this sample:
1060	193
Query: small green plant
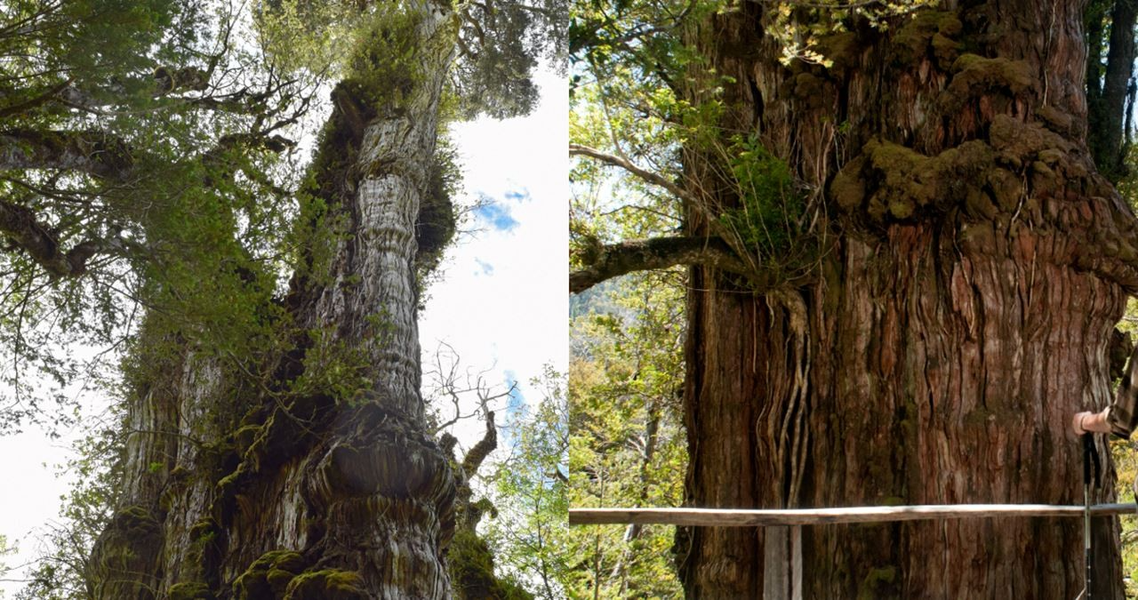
769	218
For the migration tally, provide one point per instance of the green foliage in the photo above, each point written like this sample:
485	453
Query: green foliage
185	206
4	551
643	92
383	67
188	191
529	536
1124	455
627	447
86	513
332	367
1125	458
500	44
771	207
801	29
307	36
437	222
472	571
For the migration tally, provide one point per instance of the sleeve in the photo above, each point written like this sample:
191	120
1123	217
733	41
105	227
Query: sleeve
1123	414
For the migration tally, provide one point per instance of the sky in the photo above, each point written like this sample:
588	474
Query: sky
501	304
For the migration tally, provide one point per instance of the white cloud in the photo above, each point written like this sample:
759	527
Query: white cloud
513	318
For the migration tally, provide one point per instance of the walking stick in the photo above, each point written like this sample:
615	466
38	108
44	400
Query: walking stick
1090	454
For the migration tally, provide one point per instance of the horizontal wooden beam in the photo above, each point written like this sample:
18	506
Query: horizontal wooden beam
715	517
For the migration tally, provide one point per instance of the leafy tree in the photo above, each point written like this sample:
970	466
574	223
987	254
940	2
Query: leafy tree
4	551
528	529
627	447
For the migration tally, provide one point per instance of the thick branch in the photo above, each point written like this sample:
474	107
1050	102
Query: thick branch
19	224
482	449
656	253
88	152
616	161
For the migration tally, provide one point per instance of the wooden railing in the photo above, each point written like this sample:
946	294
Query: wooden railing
715	517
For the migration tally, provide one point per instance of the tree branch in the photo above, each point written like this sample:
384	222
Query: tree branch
656	253
90	152
27	105
482	449
20	225
616	161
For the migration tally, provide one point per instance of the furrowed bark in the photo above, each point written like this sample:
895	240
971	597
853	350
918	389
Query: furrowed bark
962	312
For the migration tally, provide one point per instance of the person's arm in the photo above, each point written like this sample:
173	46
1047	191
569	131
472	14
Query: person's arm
1087	421
1121	417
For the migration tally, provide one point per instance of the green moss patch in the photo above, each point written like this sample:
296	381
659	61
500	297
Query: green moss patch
472	571
1014	137
191	591
269	576
908	180
975	75
1055	119
128	549
327	584
928	29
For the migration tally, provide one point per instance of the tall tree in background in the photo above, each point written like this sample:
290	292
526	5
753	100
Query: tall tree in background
274	441
627	443
905	273
1110	83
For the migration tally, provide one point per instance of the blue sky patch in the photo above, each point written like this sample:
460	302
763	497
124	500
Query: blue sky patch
517	402
496	215
487	268
515	410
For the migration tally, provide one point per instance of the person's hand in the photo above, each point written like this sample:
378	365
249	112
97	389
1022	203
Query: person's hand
1089	422
1079	421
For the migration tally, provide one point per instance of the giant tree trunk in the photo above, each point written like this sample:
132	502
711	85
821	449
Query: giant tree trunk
972	269
231	492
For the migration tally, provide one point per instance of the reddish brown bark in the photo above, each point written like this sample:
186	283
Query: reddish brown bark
962	312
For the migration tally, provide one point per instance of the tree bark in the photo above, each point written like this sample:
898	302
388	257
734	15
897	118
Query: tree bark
230	492
973	268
